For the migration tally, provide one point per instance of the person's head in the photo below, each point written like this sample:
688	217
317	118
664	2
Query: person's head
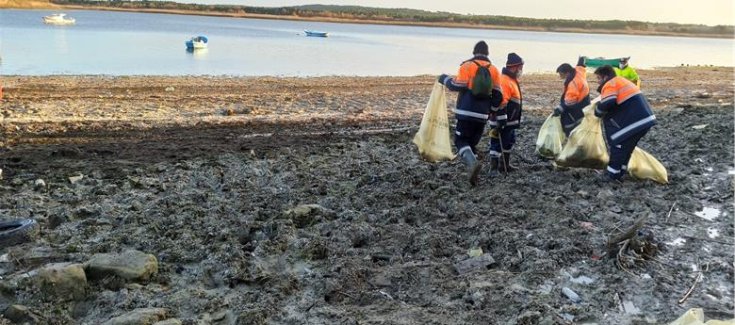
514	64
604	73
564	70
481	49
623	63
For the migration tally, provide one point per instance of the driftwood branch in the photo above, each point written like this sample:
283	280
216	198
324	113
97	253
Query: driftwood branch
689	292
671	210
628	234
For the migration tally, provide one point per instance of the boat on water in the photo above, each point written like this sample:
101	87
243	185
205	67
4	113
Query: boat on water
196	43
599	61
58	19
313	33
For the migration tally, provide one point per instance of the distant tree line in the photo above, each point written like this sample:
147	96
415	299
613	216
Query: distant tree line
417	16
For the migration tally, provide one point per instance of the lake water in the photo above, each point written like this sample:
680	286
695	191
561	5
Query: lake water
120	43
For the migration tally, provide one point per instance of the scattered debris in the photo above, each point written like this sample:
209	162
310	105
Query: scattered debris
475	252
39	184
573	296
482	262
75	179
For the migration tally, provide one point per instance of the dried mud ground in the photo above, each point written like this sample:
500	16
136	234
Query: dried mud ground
203	173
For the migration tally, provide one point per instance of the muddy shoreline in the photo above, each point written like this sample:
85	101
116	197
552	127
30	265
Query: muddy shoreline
302	200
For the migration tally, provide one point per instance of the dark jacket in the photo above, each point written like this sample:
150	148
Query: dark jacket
623	109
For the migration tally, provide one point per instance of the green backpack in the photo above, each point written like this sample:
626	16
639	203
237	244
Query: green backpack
482	83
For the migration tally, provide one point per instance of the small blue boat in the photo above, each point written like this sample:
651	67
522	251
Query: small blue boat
313	33
199	42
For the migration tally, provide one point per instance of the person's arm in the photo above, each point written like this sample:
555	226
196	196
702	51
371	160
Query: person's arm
514	99
457	83
580	61
634	77
498	102
608	101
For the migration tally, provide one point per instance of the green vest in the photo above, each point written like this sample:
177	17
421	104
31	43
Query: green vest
628	73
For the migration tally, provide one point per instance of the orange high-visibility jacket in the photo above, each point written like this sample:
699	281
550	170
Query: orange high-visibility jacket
470	107
578	89
513	99
624	110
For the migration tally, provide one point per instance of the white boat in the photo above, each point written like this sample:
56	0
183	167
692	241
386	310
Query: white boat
58	19
197	43
314	33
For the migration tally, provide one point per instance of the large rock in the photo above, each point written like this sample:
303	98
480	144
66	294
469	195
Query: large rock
140	316
21	315
64	281
130	265
170	321
481	262
305	215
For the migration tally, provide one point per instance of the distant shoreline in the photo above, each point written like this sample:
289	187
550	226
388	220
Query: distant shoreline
647	71
380	22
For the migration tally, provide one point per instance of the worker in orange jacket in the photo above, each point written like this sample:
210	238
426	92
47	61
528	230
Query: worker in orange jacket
575	97
473	111
502	139
626	116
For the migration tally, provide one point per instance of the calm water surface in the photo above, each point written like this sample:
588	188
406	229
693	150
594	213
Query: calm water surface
119	43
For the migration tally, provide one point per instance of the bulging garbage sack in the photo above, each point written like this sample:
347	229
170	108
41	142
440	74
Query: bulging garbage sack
695	316
432	139
643	165
586	148
550	138
586	144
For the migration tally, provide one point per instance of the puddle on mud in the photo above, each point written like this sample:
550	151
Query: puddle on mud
582	280
708	213
630	308
677	242
713	233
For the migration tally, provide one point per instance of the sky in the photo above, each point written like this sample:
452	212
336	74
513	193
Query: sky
707	12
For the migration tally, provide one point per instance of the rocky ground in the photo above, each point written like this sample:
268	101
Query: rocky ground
216	200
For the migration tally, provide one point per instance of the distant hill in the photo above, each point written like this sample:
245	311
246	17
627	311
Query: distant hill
27	4
406	16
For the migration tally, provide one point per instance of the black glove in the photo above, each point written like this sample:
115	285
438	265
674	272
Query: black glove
443	78
598	113
557	111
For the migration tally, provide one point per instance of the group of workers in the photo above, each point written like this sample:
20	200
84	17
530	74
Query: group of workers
625	112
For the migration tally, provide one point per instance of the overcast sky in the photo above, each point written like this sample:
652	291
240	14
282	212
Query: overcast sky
708	12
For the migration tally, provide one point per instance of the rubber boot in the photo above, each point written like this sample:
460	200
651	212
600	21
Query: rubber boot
473	166
506	161
494	162
608	178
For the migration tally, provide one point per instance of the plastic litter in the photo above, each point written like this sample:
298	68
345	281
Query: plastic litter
432	139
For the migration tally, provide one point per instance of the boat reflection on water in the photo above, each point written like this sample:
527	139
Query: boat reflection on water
198	53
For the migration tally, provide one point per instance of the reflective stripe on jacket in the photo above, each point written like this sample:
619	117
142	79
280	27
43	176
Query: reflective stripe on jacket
470	107
624	110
